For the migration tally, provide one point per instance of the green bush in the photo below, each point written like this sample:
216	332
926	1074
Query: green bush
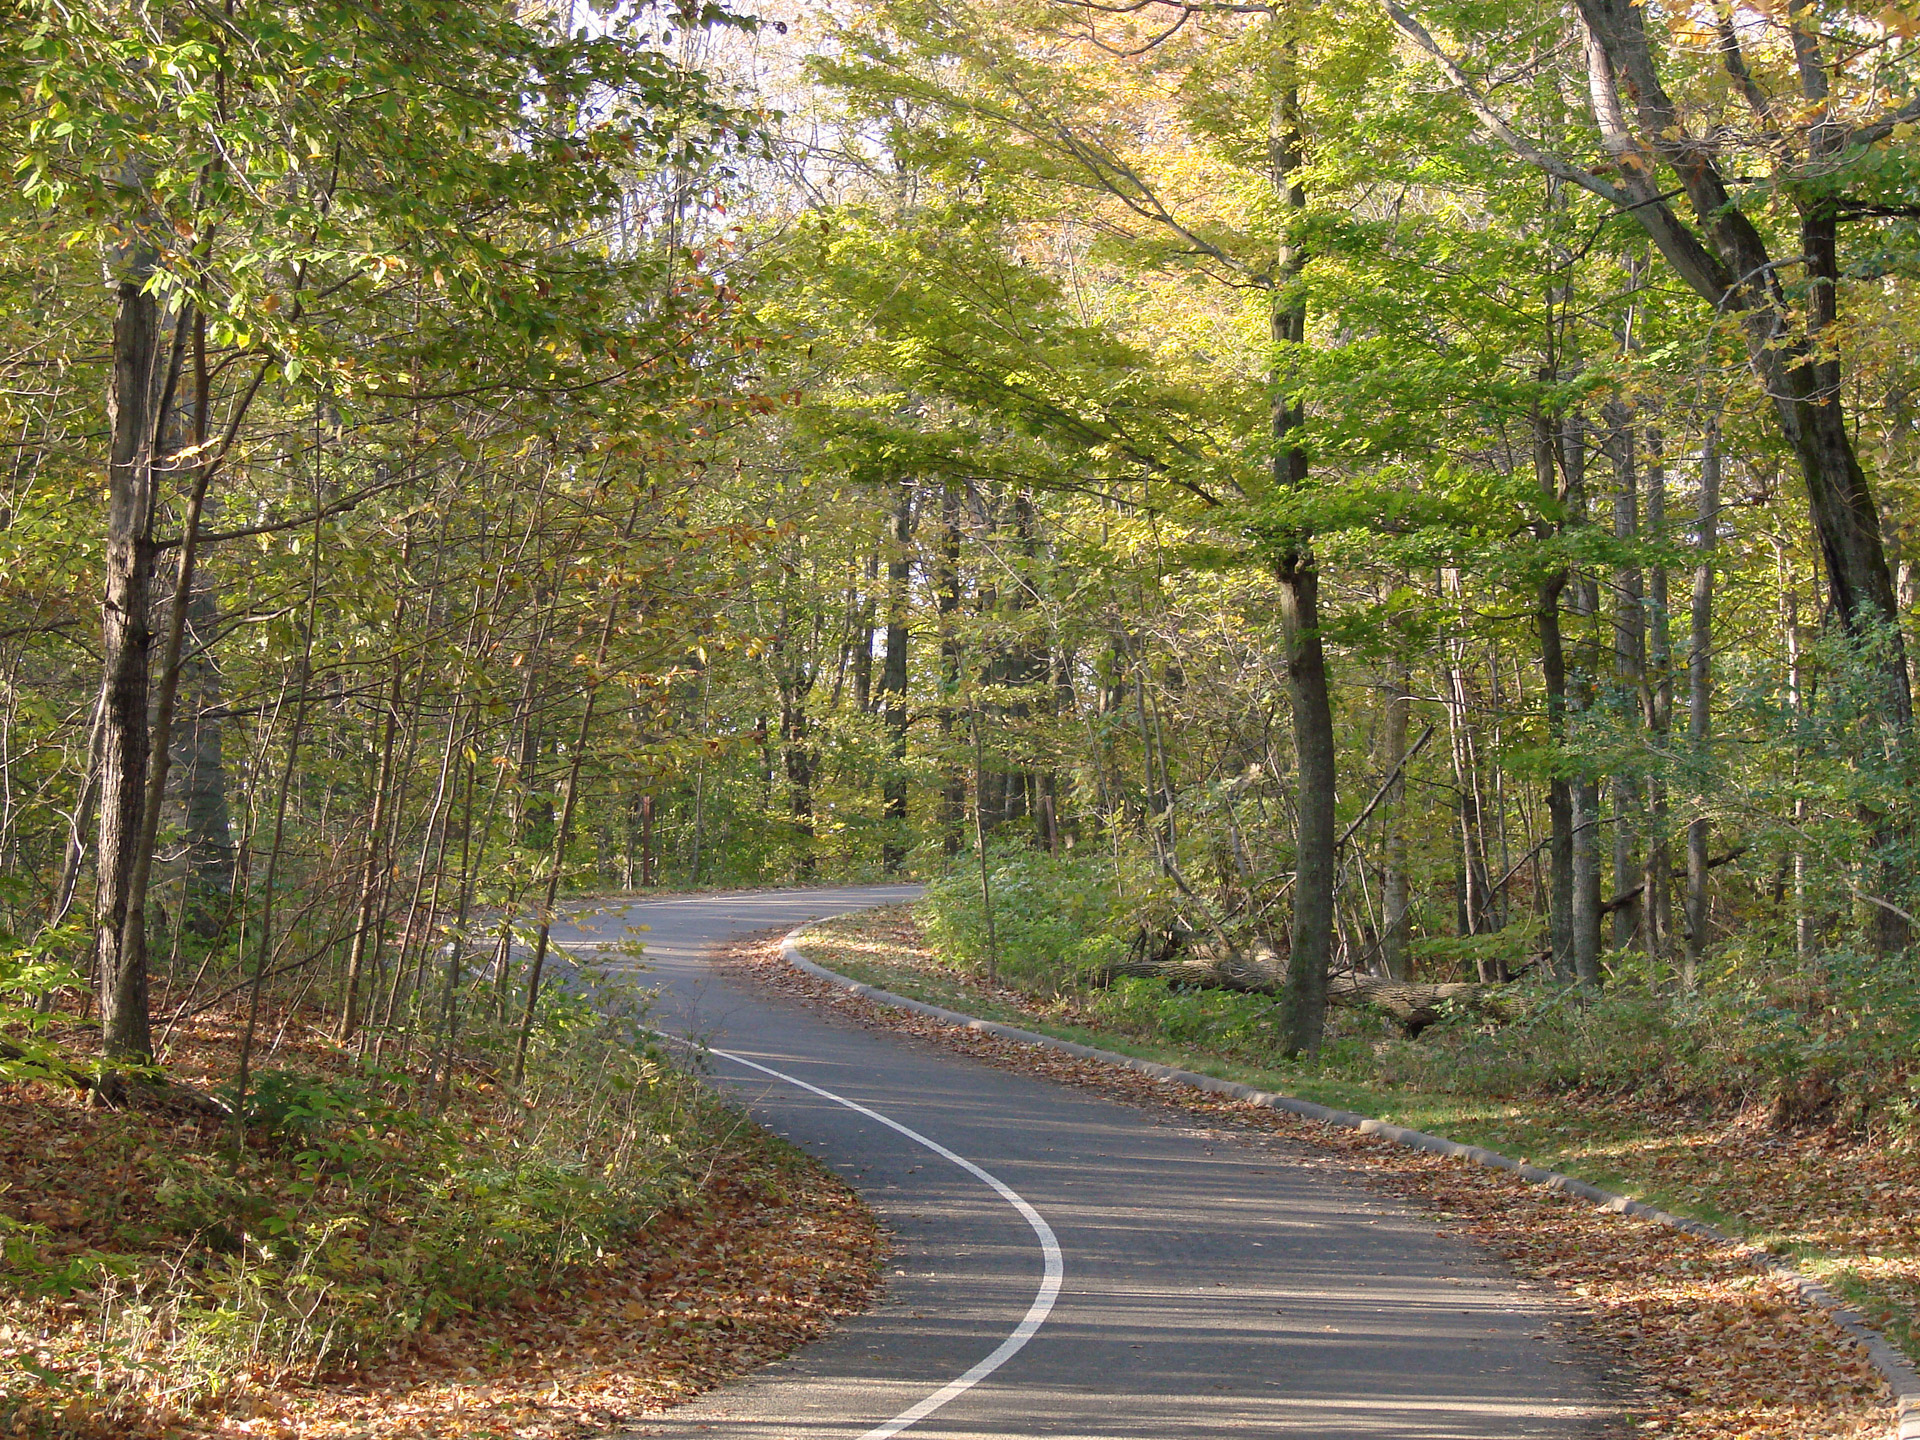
368	1207
1054	917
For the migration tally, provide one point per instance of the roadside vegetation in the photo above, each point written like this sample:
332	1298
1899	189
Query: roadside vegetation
378	1248
1788	1129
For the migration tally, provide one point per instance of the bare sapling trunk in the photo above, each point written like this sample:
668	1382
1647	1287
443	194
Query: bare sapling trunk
263	947
1700	699
1629	673
1583	788
893	681
1656	703
561	833
1553	680
946	584
368	907
1395	932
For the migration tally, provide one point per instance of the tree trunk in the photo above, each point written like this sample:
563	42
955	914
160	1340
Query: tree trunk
1700	697
893	682
1304	1009
1217	966
1476	885
200	773
1657	713
946	585
863	640
794	679
371	870
1553	681
1583	788
133	402
1629	671
1395	932
561	833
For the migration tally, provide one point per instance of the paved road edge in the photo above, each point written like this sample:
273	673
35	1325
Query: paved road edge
1900	1375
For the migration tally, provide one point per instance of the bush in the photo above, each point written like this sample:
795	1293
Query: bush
1054	917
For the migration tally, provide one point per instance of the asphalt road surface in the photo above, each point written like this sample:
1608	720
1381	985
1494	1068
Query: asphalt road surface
1067	1266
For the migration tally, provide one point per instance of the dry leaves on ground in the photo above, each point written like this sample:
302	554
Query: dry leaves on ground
772	1254
1716	1349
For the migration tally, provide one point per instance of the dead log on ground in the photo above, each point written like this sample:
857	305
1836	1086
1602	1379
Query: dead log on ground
1262	971
123	1087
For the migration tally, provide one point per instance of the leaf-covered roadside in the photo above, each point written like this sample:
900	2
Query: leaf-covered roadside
497	1269
1715	1349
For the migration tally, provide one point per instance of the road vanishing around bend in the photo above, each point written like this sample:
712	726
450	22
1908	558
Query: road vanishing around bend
1068	1266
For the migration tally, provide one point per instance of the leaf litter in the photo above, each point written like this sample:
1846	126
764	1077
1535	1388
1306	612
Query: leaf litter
773	1251
1712	1347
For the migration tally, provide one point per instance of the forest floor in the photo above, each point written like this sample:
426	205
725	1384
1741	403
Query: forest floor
1719	1350
114	1277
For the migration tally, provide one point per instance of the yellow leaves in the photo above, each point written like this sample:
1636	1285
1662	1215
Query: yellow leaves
1898	21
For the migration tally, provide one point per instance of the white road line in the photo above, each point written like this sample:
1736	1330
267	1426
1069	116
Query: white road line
1049	1249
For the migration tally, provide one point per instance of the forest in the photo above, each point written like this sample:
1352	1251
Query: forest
1409	497
1403	510
1375	500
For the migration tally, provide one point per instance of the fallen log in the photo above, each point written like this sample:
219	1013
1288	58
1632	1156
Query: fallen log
1415	1005
123	1087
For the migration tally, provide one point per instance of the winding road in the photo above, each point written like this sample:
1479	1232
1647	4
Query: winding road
1067	1266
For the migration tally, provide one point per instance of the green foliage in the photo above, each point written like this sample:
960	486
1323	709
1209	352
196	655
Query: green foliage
31	974
1054	917
1846	1055
1218	1022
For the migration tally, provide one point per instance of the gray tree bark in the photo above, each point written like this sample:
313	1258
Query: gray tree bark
133	415
893	680
1700	696
1310	949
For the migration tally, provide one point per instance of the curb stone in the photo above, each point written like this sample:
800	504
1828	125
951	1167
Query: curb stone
1893	1366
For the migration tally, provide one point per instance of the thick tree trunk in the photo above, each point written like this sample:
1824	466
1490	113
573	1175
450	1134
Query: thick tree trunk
1310	946
1310	951
133	402
1262	972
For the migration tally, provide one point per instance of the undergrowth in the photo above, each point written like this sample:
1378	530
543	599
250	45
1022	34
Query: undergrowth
1840	1052
366	1208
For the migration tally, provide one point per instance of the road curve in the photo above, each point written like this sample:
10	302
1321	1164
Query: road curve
1206	1289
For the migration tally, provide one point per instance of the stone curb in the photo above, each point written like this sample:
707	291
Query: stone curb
1892	1365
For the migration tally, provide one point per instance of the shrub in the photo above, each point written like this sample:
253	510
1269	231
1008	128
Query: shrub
1054	917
